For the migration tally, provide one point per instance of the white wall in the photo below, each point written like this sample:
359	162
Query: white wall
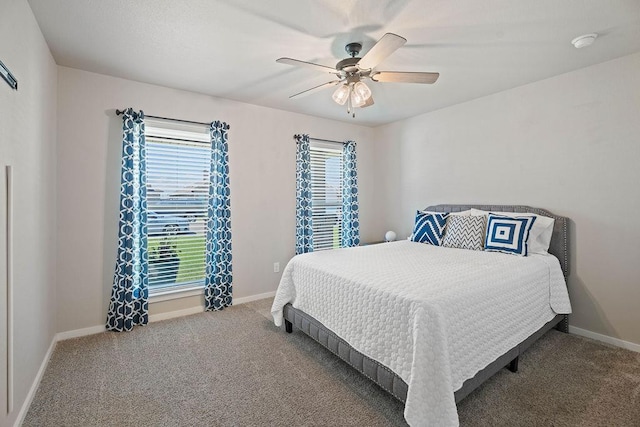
262	168
28	143
569	144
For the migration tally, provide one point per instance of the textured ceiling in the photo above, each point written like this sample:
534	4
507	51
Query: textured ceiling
228	48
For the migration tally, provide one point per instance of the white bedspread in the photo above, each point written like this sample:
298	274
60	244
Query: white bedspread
435	316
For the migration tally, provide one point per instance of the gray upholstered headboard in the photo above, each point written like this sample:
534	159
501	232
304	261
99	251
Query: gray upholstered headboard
559	240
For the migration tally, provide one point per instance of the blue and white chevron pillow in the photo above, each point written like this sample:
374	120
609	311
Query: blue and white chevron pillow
508	234
429	227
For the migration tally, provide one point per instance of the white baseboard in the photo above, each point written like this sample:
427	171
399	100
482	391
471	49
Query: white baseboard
244	300
199	309
177	313
76	333
92	330
36	382
605	338
61	336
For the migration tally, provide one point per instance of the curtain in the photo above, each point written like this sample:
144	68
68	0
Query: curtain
350	224
128	306
304	223
218	278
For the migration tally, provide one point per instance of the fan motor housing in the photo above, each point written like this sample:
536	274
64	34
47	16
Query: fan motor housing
348	65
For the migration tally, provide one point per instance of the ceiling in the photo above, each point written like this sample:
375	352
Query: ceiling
228	48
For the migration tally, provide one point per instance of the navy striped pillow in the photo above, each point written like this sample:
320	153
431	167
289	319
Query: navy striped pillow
508	235
429	228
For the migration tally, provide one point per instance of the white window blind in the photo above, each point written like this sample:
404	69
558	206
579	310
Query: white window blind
178	167
326	187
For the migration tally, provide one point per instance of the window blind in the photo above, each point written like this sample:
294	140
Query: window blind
178	168
326	187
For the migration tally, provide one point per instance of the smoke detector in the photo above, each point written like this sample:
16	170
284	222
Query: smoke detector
584	40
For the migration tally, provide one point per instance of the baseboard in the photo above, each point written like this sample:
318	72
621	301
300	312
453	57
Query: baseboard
76	333
61	336
36	383
199	309
605	338
177	313
244	300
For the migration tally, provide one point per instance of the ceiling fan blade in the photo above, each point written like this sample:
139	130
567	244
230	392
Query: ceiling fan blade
368	103
388	44
297	63
404	77
315	88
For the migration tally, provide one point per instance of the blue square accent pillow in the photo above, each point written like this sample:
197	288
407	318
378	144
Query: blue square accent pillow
508	234
429	228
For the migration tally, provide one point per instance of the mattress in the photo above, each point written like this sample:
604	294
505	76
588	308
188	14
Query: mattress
435	316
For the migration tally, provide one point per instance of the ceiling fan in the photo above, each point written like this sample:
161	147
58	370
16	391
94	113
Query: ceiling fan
351	72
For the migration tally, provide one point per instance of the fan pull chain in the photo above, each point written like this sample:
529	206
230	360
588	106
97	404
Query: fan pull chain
350	108
353	110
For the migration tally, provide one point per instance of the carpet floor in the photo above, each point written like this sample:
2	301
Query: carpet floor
235	368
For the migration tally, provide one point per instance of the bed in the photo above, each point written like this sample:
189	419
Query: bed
405	315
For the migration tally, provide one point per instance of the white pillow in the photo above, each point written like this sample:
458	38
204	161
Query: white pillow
540	234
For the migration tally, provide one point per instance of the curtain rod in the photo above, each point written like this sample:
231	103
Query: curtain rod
326	140
119	112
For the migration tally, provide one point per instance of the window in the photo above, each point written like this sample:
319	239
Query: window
326	190
178	168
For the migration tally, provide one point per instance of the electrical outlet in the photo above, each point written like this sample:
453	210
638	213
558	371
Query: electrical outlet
276	267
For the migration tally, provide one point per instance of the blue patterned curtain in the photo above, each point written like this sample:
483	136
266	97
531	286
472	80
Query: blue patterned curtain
350	223
128	306
304	223
217	288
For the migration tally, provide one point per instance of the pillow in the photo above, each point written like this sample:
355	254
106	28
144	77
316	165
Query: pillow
463	213
508	234
465	232
429	227
541	232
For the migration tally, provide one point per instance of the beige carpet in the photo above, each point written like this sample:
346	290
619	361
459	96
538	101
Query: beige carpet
234	368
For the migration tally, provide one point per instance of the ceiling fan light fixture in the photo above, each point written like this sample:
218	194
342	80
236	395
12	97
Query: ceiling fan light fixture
357	100
341	94
362	90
